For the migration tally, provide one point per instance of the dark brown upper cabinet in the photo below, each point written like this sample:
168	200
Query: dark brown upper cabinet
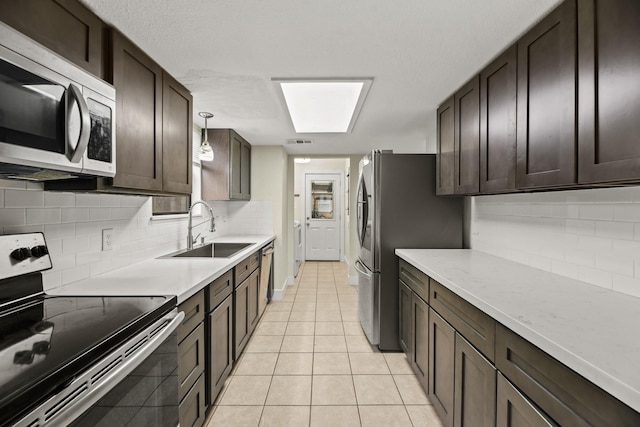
64	26
228	175
467	138
498	88
138	82
546	147
609	109
154	116
177	136
445	141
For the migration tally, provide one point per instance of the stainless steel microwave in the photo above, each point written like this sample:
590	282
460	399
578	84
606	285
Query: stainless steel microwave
56	120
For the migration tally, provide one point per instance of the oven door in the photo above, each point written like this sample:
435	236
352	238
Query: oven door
136	384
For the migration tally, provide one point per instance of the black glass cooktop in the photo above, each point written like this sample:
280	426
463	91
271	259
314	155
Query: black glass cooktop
46	340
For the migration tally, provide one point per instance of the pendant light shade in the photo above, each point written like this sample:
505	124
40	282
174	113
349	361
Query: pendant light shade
206	152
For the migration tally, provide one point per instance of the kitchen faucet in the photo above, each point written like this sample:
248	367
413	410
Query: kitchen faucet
212	227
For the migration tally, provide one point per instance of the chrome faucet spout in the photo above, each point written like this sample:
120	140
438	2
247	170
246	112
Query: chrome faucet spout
212	227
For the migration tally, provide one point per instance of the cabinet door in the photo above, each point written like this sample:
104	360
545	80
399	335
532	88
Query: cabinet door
441	364
515	410
64	26
235	182
138	83
498	124
177	119
467	138
609	63
254	299
420	338
245	170
220	347
445	159
405	319
547	101
475	387
240	318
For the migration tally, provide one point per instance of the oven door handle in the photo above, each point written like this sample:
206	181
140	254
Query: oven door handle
94	383
77	148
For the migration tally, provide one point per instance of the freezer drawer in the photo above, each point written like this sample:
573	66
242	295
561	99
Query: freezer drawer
368	302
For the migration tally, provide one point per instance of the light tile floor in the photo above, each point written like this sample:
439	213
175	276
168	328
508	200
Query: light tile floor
309	364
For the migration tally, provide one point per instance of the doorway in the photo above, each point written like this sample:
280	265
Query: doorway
323	216
320	207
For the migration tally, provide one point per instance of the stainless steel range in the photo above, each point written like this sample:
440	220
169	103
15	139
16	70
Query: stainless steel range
81	360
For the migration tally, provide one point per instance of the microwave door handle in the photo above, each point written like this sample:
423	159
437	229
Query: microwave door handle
75	96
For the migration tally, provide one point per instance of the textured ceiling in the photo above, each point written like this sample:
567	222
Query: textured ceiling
418	52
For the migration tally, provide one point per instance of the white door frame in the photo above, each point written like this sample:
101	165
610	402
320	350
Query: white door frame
341	195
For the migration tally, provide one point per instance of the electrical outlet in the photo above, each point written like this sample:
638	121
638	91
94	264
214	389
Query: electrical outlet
107	239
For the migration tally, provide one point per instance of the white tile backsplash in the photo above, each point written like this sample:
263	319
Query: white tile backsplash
591	235
73	224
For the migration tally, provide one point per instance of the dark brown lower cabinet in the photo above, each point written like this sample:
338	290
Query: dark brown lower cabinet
405	318
565	396
441	365
254	297
190	360
241	331
475	387
192	408
220	347
419	356
515	410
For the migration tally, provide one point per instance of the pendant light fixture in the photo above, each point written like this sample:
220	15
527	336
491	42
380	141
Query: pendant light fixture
206	152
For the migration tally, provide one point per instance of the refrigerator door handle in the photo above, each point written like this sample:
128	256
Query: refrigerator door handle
362	271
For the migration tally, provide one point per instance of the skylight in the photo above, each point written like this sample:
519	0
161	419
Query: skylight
324	105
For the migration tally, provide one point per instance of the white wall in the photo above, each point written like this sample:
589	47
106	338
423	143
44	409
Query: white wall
590	235
269	175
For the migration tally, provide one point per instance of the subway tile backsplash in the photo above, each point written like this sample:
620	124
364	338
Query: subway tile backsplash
73	224
590	235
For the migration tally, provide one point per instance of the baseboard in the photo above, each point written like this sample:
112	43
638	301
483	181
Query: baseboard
353	280
278	295
290	281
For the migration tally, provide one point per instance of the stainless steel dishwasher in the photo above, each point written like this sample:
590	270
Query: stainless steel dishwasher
266	277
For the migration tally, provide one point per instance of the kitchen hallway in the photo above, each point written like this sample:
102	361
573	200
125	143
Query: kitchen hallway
309	363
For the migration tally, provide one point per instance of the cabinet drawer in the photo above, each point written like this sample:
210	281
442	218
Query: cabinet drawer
192	408
190	360
564	395
415	279
193	314
220	289
474	325
246	267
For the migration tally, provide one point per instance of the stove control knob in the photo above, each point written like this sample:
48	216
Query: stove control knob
39	251
21	254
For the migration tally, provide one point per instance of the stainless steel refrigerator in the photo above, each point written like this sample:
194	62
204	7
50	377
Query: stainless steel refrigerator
397	207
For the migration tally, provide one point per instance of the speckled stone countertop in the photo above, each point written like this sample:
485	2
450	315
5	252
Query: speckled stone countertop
590	329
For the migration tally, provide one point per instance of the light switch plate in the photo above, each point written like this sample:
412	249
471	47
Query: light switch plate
107	239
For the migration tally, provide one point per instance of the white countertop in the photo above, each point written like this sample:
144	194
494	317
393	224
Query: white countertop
588	328
182	277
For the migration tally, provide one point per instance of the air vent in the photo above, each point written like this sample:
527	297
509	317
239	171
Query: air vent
299	141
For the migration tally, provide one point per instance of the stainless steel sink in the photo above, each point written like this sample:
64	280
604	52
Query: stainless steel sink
211	250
